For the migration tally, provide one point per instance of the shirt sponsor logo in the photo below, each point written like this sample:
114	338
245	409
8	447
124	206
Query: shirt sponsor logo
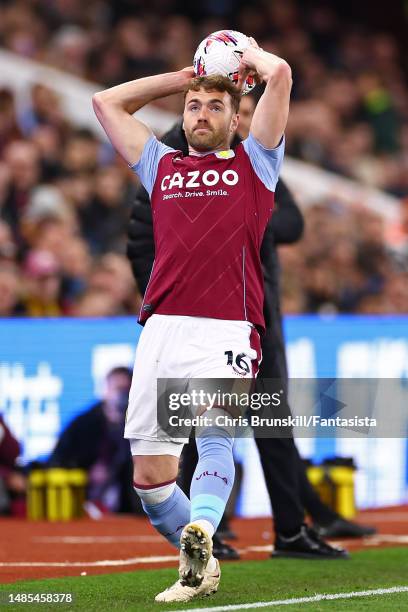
195	178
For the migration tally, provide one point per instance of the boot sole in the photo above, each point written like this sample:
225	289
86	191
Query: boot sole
197	549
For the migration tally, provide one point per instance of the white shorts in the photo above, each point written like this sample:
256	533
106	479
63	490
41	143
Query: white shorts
147	447
184	347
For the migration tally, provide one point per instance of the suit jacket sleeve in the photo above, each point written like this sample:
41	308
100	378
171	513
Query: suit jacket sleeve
287	219
140	246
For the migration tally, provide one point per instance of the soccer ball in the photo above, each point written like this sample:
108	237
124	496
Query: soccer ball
220	53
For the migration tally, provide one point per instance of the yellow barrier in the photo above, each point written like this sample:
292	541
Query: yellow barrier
56	494
335	486
78	480
342	479
317	476
36	495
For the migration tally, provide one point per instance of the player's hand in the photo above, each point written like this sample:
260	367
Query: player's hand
189	71
247	65
253	43
244	71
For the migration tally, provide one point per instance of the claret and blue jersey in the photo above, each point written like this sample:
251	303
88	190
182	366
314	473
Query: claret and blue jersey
210	212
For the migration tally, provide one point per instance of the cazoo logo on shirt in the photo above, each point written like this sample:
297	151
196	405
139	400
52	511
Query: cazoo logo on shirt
197	179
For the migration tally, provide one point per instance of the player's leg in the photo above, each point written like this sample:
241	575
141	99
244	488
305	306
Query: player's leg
167	507
165	504
156	460
214	475
210	489
232	352
188	463
227	353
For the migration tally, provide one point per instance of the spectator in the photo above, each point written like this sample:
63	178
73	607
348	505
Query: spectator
44	109
81	152
108	206
76	262
23	162
112	275
8	248
12	481
9	291
95	303
94	442
42	285
9	129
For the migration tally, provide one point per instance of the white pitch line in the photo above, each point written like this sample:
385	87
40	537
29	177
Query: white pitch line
106	563
300	600
153	559
266	548
112	562
386	539
368	541
97	539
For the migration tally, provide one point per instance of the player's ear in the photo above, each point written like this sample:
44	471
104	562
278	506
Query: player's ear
234	122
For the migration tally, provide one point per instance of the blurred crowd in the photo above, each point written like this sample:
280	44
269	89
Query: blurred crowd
65	197
342	264
64	207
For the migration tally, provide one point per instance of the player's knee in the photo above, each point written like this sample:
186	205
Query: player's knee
150	471
145	475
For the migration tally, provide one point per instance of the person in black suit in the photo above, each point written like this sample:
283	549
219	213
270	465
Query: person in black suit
290	492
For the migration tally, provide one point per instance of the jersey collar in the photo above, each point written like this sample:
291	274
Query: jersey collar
227	154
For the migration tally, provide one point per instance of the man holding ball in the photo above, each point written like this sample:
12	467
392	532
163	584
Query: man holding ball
203	307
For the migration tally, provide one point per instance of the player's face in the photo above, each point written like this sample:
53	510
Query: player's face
209	120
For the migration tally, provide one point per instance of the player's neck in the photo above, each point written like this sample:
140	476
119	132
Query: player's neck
193	151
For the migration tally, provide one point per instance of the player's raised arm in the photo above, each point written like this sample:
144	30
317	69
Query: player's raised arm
271	114
114	108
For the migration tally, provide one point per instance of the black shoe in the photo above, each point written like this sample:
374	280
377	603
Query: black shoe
341	528
306	545
224	532
223	551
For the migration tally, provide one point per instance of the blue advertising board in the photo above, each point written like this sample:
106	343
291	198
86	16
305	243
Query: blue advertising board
51	370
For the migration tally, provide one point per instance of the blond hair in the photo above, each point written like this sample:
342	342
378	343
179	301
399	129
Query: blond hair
215	82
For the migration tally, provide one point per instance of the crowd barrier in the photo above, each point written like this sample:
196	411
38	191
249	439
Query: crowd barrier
56	494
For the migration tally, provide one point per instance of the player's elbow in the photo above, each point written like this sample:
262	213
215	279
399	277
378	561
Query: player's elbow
99	101
281	73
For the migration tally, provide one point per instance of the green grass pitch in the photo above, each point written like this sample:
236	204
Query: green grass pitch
242	582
